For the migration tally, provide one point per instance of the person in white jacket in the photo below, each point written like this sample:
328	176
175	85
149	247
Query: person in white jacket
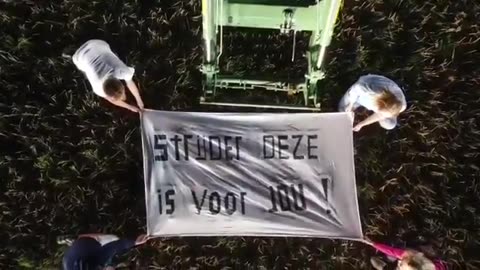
104	70
378	94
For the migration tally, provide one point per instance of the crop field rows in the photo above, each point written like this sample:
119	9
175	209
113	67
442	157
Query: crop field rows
70	163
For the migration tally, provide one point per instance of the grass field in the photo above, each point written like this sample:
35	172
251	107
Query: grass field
71	163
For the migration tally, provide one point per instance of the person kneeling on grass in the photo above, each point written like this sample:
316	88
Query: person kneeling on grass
378	94
104	70
406	259
96	251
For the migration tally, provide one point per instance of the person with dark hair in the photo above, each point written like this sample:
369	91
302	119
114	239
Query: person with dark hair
407	259
378	94
96	251
104	70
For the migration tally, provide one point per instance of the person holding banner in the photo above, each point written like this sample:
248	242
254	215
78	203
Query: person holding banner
406	259
378	94
96	251
104	70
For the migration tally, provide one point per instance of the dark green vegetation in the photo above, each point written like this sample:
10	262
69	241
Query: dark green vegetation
70	163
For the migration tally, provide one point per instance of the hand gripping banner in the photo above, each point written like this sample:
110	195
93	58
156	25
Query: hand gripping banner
250	174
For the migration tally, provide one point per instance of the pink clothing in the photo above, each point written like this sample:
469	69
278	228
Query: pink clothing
389	251
397	253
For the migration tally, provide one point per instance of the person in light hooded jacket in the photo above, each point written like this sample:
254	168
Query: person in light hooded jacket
378	94
105	72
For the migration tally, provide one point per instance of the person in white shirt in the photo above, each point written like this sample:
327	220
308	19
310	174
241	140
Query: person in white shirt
378	94
104	70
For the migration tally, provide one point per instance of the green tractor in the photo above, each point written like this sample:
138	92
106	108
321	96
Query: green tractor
315	16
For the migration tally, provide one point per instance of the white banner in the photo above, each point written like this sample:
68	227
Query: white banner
250	174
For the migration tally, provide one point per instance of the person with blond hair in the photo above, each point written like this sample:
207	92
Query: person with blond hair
378	94
104	70
407	259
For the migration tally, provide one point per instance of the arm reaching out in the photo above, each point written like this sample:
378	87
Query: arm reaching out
141	239
134	90
101	237
118	247
92	235
370	120
123	104
388	250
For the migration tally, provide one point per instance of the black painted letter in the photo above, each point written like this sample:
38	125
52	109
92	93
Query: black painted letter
185	144
212	209
310	155
265	137
168	201
233	208
301	197
285	205
299	137
212	150
282	146
199	204
160	146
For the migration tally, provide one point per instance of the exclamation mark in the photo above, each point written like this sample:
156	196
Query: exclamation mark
325	189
